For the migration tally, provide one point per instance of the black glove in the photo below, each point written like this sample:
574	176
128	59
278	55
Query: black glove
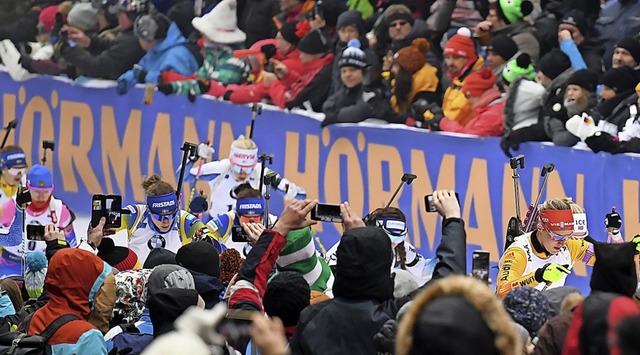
23	197
385	339
269	50
506	145
227	95
613	220
26	61
166	89
199	204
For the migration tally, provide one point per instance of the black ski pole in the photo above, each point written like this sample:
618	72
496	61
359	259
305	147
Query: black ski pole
11	125
188	150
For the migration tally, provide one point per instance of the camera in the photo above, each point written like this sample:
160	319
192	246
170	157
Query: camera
326	213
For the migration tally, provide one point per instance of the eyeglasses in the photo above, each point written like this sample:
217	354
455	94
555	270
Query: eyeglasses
397	23
163	217
238	170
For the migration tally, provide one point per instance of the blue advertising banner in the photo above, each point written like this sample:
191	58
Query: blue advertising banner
106	143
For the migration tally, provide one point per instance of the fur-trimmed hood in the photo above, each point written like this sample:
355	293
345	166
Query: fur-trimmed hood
474	294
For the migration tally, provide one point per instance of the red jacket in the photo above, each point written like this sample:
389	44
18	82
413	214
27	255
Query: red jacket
488	121
244	94
292	90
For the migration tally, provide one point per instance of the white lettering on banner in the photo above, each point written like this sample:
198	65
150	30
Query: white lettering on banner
249	206
163	204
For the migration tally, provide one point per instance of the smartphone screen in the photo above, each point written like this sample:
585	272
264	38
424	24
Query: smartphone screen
238	235
480	265
97	207
113	211
35	232
326	213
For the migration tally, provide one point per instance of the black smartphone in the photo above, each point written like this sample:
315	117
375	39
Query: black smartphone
430	207
109	207
269	67
35	232
238	235
480	265
236	325
326	213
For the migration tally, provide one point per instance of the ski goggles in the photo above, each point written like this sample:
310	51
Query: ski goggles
395	229
163	217
557	237
16	171
239	169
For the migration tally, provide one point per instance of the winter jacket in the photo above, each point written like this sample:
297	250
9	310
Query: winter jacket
208	287
425	84
551	335
554	122
351	323
244	94
525	37
171	54
293	90
617	20
592	50
349	106
454	104
19	67
296	14
615	121
522	105
106	59
73	280
255	19
572	51
488	120
24	29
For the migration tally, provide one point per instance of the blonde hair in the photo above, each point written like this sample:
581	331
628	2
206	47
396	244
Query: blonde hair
244	143
557	204
154	186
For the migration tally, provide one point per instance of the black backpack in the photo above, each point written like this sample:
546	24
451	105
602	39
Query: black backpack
19	343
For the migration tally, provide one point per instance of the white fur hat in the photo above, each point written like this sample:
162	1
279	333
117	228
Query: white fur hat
220	25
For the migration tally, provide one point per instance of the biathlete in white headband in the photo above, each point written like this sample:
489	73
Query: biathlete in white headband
241	167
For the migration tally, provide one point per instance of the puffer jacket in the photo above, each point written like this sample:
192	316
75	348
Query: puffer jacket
488	121
522	105
455	105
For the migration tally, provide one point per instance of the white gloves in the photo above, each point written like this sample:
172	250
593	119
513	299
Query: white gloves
205	151
582	127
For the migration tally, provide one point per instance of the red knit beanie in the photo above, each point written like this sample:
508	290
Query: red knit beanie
48	18
461	45
478	82
412	58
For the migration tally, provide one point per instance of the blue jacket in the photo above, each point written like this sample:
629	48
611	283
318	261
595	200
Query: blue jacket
170	54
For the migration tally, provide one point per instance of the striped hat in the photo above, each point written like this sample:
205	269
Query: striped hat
300	255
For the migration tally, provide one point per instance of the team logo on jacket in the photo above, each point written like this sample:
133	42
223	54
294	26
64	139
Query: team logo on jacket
157	241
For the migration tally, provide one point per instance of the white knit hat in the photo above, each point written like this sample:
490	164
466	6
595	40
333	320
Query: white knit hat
220	24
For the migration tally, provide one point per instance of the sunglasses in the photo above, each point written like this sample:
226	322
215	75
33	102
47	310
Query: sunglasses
556	237
163	217
238	169
398	23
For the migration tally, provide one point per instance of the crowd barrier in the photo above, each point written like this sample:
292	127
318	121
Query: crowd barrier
106	143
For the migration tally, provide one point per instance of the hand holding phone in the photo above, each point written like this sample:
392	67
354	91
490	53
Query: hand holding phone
447	203
327	213
109	207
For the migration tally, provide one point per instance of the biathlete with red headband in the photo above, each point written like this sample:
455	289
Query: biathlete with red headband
544	258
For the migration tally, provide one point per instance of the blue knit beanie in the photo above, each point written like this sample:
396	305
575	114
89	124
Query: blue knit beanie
528	307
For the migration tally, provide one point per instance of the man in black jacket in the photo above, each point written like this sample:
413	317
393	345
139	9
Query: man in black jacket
106	58
255	18
363	287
